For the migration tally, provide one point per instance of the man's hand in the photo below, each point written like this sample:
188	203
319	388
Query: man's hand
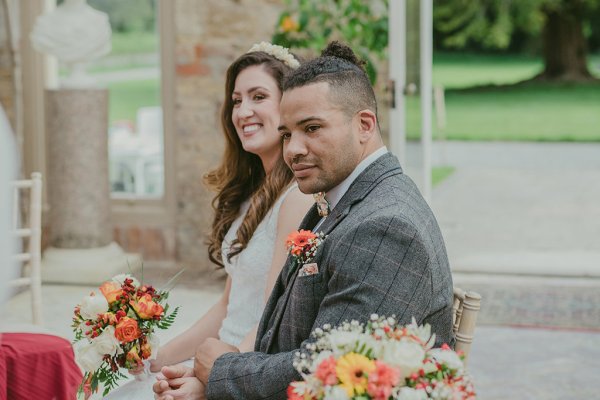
172	378
206	354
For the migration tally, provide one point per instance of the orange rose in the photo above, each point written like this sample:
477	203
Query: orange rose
146	350
111	291
127	330
133	357
146	308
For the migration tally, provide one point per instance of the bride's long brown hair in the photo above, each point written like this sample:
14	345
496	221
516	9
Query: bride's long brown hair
241	174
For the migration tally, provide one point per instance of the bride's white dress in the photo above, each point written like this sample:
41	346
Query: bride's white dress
248	271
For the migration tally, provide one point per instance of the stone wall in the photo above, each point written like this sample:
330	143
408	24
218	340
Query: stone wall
210	35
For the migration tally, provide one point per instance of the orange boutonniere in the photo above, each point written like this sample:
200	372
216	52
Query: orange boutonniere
302	245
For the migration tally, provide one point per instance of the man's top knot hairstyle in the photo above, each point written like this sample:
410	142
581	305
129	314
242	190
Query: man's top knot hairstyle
338	50
349	85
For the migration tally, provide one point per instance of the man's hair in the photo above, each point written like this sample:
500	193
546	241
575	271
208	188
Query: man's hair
349	85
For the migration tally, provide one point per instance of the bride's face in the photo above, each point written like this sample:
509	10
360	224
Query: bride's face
255	112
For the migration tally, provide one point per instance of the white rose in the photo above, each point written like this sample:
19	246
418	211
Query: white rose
407	393
335	393
404	354
120	279
447	357
343	341
87	356
106	342
92	306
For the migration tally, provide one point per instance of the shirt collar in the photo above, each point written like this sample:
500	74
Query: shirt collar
335	195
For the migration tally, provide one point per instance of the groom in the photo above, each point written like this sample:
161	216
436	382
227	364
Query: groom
383	251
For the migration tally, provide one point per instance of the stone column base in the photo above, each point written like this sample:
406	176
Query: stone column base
87	266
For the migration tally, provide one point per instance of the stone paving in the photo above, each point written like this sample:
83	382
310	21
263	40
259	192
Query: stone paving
521	208
518	363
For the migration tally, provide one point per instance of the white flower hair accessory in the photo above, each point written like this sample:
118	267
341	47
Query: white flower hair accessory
279	52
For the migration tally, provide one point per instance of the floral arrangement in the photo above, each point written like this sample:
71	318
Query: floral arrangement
116	330
302	245
279	52
380	360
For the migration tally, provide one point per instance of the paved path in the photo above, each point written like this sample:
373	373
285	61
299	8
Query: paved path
520	207
522	227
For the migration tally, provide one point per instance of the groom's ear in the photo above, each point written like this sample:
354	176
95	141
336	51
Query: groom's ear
367	125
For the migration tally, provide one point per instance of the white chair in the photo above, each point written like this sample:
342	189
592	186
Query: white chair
33	231
464	312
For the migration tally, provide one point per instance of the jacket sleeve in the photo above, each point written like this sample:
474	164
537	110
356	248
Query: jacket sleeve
251	375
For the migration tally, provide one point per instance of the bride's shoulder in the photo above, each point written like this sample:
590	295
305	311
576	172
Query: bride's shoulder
294	206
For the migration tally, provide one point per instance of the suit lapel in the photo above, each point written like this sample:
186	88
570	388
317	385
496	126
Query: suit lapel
311	218
382	168
308	222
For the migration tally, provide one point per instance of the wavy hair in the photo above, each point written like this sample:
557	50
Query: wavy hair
241	174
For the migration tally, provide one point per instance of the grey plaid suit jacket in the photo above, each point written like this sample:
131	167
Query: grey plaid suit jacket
384	253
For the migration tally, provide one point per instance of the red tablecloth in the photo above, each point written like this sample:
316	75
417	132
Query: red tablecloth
36	366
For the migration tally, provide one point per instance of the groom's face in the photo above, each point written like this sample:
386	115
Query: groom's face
320	142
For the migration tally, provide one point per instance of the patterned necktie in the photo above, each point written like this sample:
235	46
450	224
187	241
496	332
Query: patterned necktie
322	204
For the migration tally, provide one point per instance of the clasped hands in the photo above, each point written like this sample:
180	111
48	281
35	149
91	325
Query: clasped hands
183	383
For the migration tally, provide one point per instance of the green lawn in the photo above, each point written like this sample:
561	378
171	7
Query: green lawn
463	70
127	97
438	174
532	112
134	42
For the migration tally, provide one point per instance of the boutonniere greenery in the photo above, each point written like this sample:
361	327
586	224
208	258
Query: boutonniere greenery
302	245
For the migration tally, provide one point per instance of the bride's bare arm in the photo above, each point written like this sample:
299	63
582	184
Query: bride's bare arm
292	210
184	345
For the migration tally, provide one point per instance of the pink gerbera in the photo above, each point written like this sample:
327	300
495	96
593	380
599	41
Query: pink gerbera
326	372
382	381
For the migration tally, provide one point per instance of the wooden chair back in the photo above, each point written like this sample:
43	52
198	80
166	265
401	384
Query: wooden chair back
29	228
464	311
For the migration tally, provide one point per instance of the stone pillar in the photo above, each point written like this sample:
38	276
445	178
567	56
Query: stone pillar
81	248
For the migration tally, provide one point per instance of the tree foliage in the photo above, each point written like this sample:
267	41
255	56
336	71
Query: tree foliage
563	27
493	23
311	24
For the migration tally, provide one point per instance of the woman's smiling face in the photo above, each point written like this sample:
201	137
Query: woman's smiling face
255	112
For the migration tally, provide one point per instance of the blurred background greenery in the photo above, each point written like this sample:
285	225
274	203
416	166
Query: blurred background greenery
526	70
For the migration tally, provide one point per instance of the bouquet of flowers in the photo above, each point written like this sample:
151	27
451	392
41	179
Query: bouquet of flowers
380	360
116	330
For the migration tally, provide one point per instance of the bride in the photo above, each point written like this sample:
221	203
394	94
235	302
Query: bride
256	207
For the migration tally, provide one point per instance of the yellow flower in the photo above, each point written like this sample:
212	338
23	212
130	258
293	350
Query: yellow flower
289	25
352	370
